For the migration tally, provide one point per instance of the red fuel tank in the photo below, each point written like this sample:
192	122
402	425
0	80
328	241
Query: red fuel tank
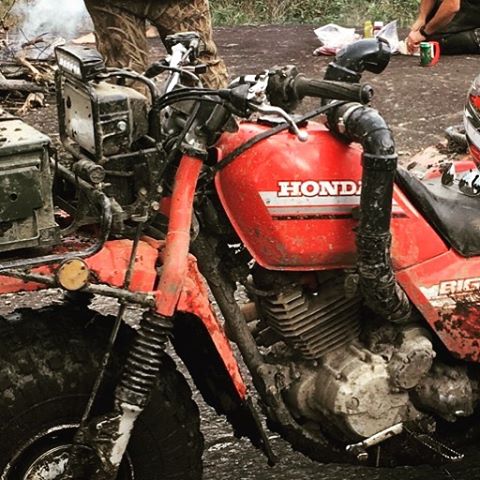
294	204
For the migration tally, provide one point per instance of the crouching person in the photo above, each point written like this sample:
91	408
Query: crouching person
455	24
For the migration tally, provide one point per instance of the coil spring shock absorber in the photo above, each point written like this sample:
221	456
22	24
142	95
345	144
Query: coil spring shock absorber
108	435
132	394
144	360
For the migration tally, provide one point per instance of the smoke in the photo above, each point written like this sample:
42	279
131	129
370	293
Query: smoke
66	18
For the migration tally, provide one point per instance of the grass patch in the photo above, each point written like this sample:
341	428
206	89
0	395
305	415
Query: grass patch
319	12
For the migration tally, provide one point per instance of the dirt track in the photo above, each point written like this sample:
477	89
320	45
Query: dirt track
419	103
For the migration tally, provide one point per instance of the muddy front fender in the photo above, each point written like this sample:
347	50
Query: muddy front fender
198	332
200	341
198	335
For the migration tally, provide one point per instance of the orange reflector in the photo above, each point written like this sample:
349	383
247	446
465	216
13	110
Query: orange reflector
73	274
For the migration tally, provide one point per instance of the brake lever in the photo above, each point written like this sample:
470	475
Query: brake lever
251	94
271	110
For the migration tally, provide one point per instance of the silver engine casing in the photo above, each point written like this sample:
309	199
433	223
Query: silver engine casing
102	118
359	390
357	387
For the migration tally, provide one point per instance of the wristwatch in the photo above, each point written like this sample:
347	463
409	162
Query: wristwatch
423	32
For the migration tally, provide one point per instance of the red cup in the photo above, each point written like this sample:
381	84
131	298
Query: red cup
436	52
429	53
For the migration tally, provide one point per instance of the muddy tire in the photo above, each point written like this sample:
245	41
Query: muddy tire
48	363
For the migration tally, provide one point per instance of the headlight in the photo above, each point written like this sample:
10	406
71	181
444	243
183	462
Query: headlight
81	62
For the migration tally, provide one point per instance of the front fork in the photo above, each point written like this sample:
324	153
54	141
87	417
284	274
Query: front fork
110	434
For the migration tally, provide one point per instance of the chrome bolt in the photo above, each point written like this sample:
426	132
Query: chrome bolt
122	126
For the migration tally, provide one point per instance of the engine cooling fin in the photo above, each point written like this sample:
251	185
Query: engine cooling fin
313	324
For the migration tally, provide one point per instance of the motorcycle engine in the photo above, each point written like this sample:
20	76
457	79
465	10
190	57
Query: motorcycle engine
103	125
347	372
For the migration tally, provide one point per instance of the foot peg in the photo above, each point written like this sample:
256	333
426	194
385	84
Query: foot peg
359	450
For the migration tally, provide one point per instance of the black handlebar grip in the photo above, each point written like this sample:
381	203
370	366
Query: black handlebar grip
352	92
154	70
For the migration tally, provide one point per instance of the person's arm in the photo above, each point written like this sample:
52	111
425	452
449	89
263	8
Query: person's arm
443	16
425	8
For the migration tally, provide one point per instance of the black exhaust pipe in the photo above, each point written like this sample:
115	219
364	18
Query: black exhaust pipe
364	125
372	54
377	281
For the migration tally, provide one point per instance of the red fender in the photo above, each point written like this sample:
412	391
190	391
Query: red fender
109	267
194	299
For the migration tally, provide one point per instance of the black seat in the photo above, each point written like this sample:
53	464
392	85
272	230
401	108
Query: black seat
455	216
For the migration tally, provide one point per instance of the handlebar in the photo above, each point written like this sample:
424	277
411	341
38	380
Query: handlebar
274	92
352	92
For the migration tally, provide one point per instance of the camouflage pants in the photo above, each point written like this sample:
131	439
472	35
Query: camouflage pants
121	31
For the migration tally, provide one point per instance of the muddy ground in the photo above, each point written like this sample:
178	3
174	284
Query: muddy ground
419	103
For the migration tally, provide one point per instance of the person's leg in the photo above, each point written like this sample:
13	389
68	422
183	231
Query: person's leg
120	33
173	16
460	35
467	42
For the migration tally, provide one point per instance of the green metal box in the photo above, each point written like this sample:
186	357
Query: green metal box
26	205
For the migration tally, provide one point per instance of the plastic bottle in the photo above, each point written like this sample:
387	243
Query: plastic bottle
368	29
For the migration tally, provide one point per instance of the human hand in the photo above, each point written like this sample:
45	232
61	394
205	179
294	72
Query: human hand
413	40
